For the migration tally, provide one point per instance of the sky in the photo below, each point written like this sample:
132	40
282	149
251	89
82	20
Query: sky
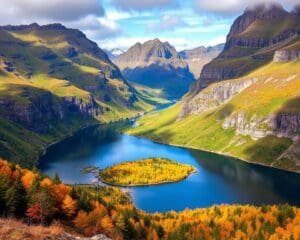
185	24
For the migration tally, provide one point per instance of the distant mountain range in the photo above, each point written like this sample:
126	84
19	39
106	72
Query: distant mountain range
156	64
196	58
246	102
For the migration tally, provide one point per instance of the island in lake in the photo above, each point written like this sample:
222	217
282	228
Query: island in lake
148	171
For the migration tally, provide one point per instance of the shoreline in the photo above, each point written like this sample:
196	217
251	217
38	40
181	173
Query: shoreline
145	184
216	152
47	146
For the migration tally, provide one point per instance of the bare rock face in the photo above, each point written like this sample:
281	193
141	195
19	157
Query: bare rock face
286	55
281	125
44	108
248	45
67	236
214	96
264	12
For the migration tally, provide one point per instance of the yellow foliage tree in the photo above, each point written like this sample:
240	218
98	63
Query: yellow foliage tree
69	206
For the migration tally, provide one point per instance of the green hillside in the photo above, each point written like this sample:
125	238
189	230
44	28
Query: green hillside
54	81
276	91
246	102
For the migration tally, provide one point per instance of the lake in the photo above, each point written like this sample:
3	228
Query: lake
219	180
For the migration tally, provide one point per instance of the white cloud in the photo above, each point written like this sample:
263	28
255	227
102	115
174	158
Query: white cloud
96	28
86	15
166	23
55	10
117	15
231	7
143	5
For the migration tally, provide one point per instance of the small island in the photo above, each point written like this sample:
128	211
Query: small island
150	171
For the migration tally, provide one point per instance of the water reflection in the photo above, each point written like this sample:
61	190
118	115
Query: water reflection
219	179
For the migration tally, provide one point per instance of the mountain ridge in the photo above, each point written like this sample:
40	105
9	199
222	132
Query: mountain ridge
252	36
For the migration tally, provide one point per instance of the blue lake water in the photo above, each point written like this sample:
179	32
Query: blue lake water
219	179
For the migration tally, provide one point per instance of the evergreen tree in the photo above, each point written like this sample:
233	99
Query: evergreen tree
4	185
11	201
15	199
56	179
83	202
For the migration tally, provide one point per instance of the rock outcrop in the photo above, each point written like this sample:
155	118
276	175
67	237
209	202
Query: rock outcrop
67	236
43	109
249	46
286	55
214	96
281	125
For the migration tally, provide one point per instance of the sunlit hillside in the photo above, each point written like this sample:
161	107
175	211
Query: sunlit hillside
275	91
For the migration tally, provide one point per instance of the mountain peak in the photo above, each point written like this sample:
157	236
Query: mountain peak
263	11
266	10
150	51
154	41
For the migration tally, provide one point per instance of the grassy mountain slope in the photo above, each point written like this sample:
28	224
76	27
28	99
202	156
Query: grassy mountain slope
53	81
246	102
277	90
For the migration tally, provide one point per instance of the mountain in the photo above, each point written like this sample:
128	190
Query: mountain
156	64
251	42
198	57
113	53
53	81
246	102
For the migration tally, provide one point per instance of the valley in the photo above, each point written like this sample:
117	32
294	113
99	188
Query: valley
144	121
249	111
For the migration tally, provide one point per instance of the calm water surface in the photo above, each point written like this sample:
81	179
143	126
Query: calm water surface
219	179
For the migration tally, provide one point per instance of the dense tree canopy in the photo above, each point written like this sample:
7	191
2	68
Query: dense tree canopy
146	172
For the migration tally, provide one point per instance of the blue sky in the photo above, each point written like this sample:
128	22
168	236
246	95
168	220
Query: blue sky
121	23
181	25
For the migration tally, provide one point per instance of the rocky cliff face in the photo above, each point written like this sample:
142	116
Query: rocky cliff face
257	37
215	96
252	41
286	55
262	11
43	109
281	125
